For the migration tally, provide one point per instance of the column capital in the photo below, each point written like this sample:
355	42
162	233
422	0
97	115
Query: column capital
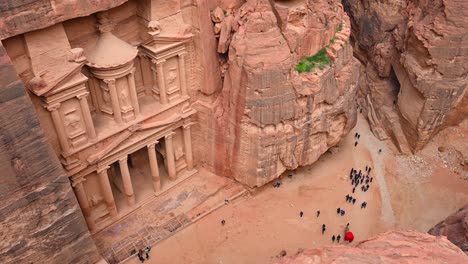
188	125
102	169
182	54
123	159
152	145
158	62
78	180
109	81
82	95
132	71
169	135
53	107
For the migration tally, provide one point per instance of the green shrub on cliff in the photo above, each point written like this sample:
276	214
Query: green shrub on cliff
319	60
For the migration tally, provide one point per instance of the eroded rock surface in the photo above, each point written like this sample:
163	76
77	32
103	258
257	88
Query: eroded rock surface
414	82
455	228
273	118
19	16
40	220
391	247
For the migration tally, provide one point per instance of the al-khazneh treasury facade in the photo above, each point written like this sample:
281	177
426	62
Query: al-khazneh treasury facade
117	114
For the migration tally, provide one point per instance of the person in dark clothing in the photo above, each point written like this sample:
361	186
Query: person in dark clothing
347	197
338	238
147	250
333	238
301	213
355	135
342	212
369	169
323	228
362	205
367	181
338	210
355	143
371	178
223	222
318	213
140	256
354	189
354	200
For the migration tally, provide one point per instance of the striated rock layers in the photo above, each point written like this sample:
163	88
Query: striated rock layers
455	228
272	118
391	247
40	220
20	16
416	56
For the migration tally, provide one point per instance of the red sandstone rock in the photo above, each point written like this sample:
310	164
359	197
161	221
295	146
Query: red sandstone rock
17	16
415	80
391	247
455	228
273	117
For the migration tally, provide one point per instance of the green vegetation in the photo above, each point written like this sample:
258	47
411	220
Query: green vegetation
340	27
333	40
319	60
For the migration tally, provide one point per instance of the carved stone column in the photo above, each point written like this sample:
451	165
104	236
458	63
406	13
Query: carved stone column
154	167
133	92
58	123
107	191
161	82
188	146
171	168
87	115
182	76
114	100
127	181
83	202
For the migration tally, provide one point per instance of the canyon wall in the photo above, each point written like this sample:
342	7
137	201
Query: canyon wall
270	117
391	247
416	57
40	220
455	228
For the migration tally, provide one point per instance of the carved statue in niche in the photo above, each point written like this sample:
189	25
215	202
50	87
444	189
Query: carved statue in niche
106	97
178	153
124	100
72	122
171	78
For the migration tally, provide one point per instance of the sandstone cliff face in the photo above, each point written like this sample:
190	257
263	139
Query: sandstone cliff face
272	118
40	220
391	247
20	16
415	81
455	228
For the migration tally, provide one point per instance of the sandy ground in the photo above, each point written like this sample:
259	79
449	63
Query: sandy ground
413	192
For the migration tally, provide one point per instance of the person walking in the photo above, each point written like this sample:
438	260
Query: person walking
354	189
323	228
301	213
354	200
140	256
338	210
147	250
338	238
343	212
333	238
318	213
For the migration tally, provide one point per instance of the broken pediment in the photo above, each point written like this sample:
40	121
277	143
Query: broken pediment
53	62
